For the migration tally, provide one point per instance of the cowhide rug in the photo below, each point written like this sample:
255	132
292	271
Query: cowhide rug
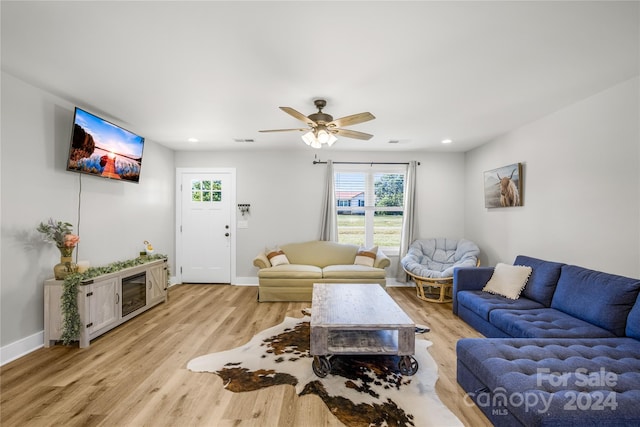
360	390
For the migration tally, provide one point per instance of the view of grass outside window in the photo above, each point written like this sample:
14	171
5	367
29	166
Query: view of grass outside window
386	230
370	207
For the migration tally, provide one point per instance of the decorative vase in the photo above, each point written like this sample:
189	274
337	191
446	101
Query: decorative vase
66	266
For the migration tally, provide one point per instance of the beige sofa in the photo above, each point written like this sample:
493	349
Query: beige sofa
314	262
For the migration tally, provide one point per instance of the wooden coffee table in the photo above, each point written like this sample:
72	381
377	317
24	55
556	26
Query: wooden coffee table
359	319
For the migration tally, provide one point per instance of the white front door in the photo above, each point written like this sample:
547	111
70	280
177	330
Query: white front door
205	240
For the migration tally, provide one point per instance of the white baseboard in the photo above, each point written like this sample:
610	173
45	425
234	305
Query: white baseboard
24	346
240	281
393	283
246	281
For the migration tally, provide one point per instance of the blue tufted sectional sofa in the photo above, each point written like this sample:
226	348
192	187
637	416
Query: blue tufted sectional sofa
567	352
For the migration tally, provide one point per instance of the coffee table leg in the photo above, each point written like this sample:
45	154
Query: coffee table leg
321	366
408	365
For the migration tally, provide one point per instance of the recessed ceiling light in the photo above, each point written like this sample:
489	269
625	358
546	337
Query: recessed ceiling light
447	141
193	140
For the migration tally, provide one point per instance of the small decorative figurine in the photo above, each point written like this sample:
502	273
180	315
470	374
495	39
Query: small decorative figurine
148	248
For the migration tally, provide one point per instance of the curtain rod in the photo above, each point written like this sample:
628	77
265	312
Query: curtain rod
318	162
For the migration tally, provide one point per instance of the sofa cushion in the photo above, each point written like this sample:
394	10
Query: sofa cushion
599	298
543	280
291	271
352	271
508	280
276	257
633	321
482	303
566	373
493	358
544	323
320	253
366	257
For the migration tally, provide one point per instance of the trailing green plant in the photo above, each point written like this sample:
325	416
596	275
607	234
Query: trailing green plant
71	322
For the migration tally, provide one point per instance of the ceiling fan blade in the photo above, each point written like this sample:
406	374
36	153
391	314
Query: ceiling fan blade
284	130
352	134
351	120
298	115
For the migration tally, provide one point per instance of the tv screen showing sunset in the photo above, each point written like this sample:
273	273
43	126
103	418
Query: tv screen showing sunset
101	148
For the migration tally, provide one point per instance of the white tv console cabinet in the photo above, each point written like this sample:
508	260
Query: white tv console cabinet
100	300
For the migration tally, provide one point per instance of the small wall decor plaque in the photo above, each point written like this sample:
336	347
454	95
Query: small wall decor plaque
503	186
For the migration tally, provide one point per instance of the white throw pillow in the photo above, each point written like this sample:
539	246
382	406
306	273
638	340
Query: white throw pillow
276	257
508	280
366	257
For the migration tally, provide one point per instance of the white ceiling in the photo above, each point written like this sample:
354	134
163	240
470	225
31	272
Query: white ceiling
218	71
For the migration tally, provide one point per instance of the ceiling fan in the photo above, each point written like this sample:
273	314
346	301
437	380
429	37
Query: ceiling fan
322	128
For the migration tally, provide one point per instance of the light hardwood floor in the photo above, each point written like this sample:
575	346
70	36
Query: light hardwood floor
135	375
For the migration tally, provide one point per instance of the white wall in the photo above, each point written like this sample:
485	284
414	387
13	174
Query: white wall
581	187
116	217
285	190
581	195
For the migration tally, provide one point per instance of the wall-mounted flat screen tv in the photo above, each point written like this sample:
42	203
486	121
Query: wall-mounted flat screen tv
103	149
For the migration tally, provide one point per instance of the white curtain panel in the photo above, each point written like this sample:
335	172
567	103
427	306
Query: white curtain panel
329	219
409	221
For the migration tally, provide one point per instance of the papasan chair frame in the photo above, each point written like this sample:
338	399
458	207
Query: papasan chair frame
434	278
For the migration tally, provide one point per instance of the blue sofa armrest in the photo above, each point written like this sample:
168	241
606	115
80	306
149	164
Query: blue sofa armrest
469	279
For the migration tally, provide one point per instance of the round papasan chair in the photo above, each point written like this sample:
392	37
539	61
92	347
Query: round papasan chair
430	263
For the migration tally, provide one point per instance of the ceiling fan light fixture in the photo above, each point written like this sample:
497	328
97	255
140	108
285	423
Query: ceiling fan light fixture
322	128
309	138
323	136
316	138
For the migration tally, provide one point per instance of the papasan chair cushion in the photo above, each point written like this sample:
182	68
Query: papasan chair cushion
436	258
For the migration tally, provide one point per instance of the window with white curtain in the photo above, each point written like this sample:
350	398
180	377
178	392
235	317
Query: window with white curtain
369	204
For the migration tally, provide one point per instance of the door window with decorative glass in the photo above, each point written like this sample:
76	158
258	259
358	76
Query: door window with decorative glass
206	190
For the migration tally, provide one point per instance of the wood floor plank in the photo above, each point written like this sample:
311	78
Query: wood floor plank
136	375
